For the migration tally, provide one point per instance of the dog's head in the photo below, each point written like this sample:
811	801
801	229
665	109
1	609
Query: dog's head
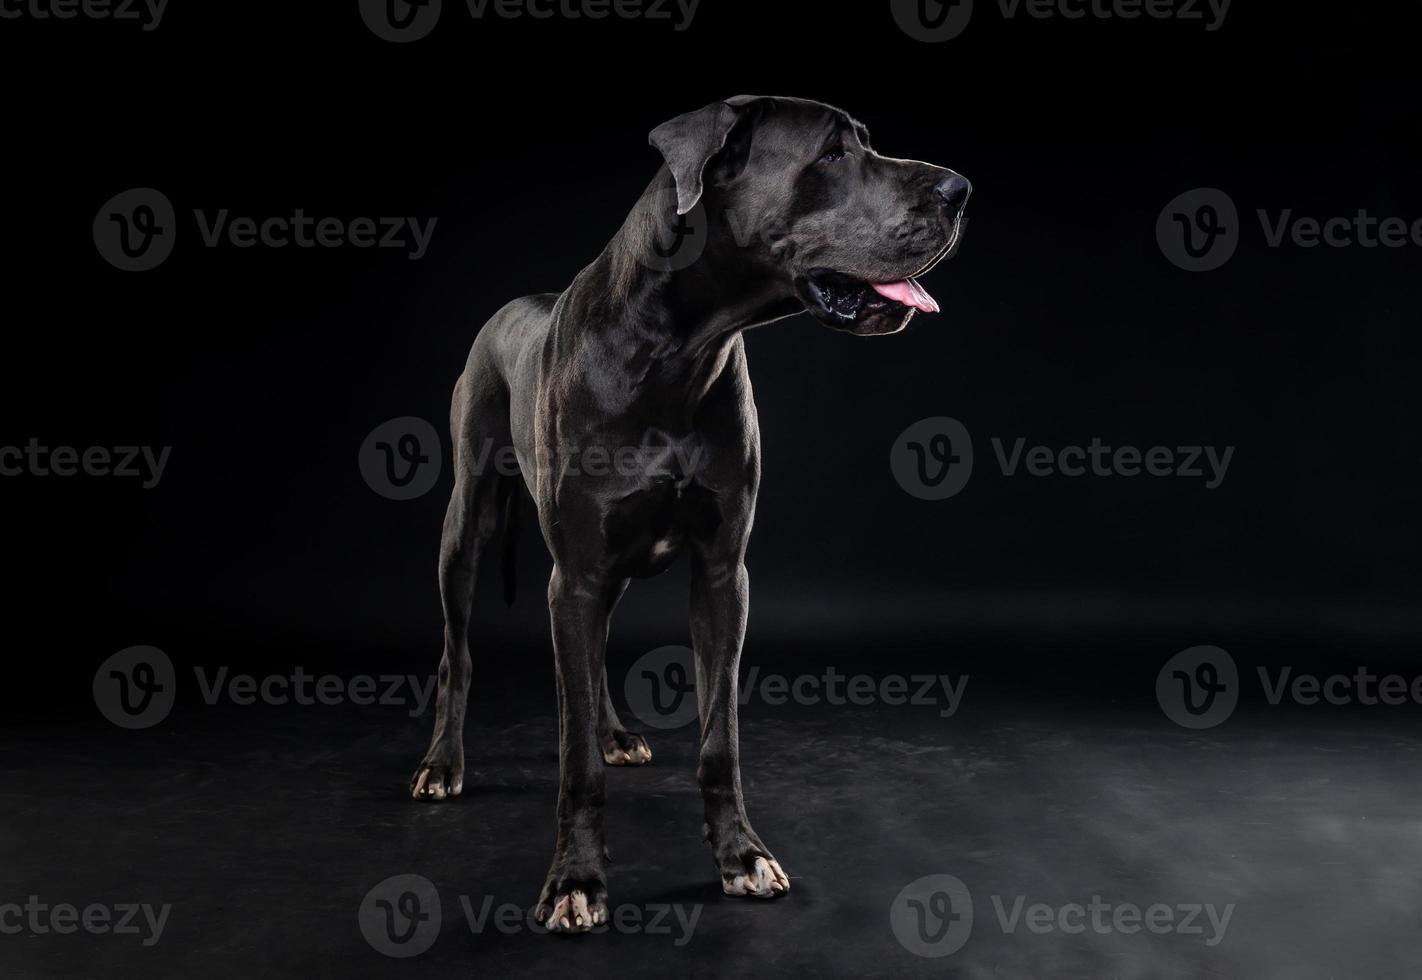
792	189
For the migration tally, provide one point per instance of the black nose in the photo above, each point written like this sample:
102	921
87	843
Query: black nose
953	191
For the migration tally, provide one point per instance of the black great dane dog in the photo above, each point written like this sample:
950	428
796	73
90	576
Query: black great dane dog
641	359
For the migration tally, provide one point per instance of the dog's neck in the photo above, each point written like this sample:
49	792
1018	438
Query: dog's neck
671	326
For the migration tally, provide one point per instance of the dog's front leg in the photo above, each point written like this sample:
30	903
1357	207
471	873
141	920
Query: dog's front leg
720	601
574	898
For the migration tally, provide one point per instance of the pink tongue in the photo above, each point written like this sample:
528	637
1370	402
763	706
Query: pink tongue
907	292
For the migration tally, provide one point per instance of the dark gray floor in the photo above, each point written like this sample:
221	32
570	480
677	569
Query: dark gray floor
265	828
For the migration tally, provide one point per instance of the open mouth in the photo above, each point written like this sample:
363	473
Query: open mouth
846	301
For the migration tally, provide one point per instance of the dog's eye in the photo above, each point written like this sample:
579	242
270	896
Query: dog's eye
834	156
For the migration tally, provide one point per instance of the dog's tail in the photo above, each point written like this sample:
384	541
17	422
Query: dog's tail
510	555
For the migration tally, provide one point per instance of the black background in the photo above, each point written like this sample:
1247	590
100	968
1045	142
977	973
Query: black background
263	549
265	369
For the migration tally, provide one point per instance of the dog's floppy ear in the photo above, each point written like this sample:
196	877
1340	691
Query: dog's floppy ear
689	141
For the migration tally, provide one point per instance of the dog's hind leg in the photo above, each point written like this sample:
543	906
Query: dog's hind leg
619	746
481	432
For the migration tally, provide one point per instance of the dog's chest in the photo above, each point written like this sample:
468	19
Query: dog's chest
648	527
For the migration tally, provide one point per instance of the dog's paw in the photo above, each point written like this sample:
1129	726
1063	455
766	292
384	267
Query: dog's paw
572	912
433	782
572	904
748	869
763	877
625	749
